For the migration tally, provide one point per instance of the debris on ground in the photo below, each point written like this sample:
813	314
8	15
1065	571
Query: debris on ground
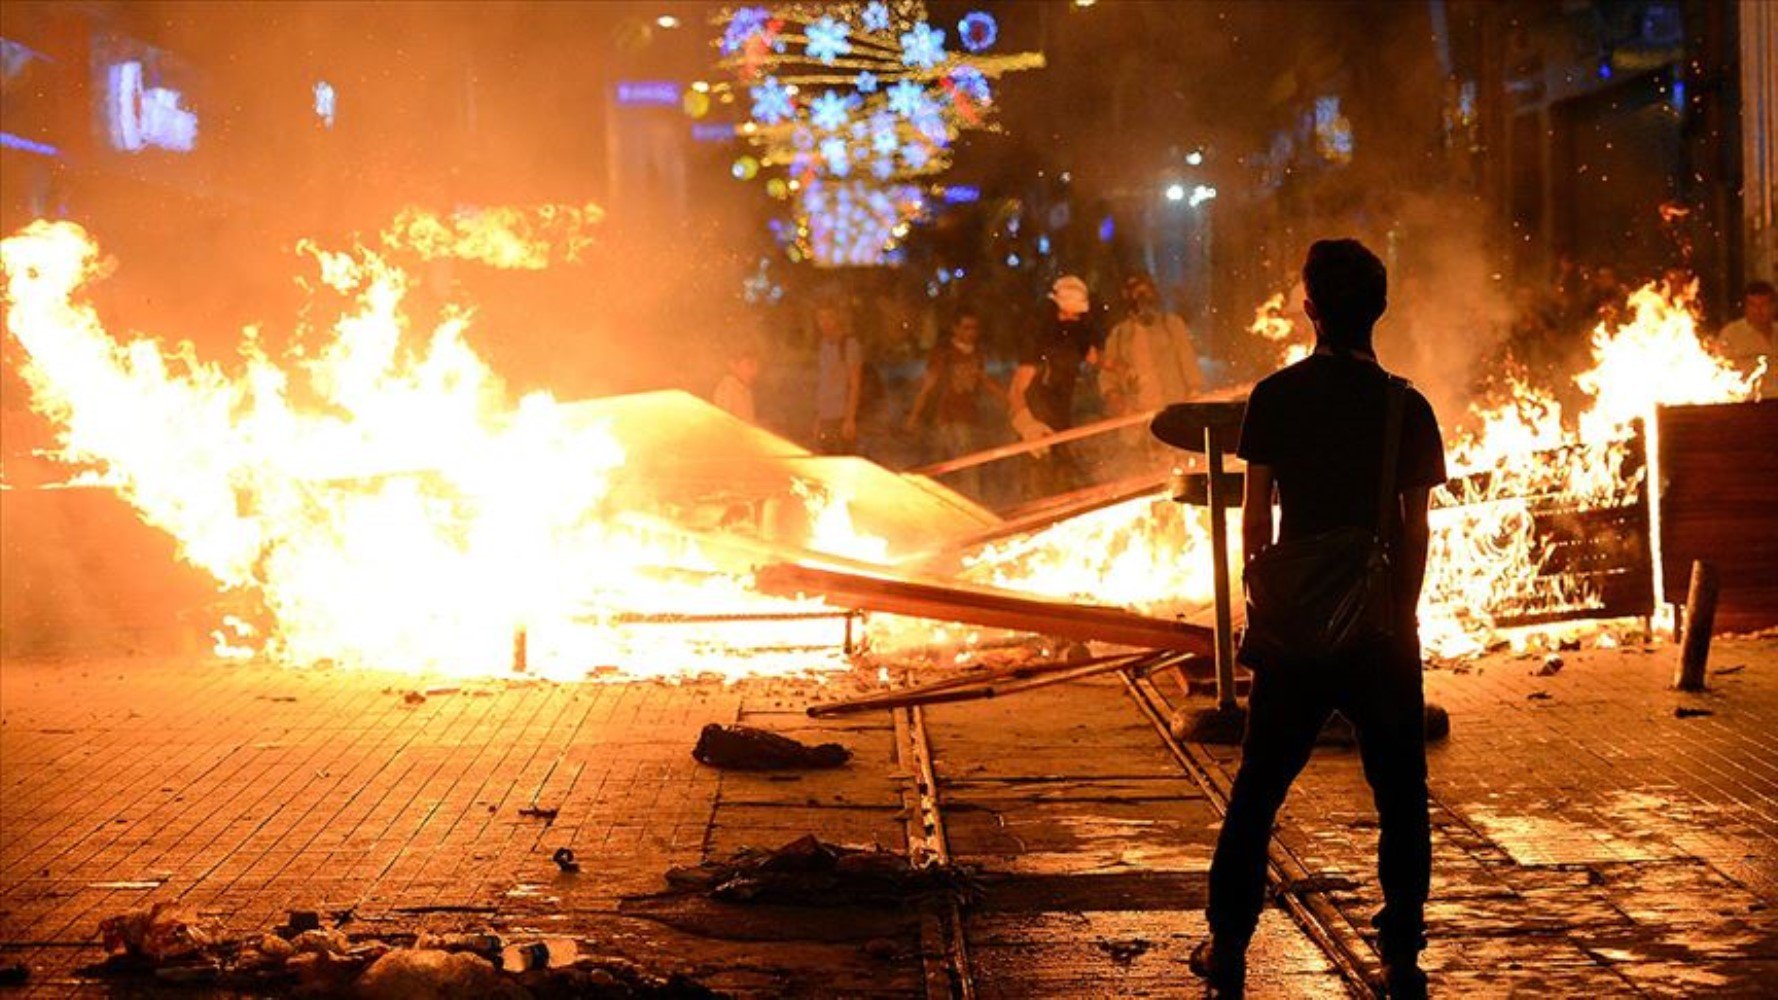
882	949
1552	665
414	698
564	859
168	945
746	748
1737	668
810	872
545	813
156	933
1684	712
1125	952
1538	696
413	973
16	974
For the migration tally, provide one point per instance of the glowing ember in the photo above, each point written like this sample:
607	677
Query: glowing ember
386	504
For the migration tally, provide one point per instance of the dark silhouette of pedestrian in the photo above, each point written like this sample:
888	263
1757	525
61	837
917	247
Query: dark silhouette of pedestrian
1314	432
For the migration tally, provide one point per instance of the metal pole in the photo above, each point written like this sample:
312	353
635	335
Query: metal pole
1219	551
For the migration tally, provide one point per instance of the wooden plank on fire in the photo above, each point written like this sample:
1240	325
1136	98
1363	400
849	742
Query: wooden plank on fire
1053	510
894	594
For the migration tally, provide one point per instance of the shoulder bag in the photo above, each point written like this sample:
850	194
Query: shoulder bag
1317	598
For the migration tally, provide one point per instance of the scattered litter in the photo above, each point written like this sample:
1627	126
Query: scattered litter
286	698
564	859
545	813
301	920
1125	952
1552	665
1684	712
411	973
550	953
745	748
413	698
1737	668
16	974
147	883
442	689
810	872
155	933
1538	696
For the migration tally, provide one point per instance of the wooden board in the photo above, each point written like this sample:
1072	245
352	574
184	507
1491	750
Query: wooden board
983	606
1719	502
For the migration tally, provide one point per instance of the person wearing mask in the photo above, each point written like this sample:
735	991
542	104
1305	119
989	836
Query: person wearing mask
1041	400
1149	358
955	384
839	381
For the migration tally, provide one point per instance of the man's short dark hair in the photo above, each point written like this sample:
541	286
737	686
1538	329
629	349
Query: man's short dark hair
1350	289
1757	288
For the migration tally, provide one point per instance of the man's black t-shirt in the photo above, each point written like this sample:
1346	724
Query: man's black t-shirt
1318	425
1057	351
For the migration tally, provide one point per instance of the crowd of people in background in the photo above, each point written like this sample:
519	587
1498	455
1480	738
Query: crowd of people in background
909	403
925	387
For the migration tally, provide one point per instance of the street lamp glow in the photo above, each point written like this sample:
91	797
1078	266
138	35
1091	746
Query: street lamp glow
1200	194
1176	192
667	21
1194	158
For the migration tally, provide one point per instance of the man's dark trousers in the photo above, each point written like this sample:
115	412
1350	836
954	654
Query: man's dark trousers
1380	693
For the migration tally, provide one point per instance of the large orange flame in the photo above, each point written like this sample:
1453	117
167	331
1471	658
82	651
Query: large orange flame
387	503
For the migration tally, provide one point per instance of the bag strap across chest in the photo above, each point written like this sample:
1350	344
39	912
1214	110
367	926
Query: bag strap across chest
1396	402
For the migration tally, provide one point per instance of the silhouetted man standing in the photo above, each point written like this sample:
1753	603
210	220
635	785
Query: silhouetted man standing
1314	432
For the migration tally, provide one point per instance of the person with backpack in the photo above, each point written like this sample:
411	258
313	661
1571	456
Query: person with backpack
1350	453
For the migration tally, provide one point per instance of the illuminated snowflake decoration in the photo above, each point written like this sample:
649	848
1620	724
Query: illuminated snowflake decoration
977	31
747	22
771	102
863	96
923	46
827	40
828	112
876	16
837	155
907	98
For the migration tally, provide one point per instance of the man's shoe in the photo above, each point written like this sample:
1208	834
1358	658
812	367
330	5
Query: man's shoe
1223	969
1403	981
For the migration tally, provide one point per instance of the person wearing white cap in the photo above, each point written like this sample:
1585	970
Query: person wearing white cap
1042	393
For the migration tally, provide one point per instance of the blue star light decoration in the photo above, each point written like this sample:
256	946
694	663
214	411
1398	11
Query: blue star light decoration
747	22
828	112
827	40
771	102
907	98
864	97
923	46
838	156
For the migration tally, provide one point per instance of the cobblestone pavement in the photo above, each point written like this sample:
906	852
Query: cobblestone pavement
246	792
1592	836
